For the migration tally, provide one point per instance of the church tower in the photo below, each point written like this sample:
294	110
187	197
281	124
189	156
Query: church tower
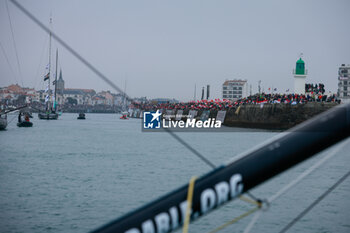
60	84
299	77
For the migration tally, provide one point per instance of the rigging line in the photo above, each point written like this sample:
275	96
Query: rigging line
252	222
308	171
194	151
70	49
40	62
320	198
8	62
14	43
98	73
298	179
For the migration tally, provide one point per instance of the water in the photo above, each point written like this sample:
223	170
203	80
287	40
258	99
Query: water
74	176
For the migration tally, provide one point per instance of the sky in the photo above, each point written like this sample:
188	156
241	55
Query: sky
166	48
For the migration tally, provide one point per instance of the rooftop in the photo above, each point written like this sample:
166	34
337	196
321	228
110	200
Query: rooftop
240	81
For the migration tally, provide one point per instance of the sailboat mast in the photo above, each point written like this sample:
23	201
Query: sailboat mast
56	80
48	103
124	94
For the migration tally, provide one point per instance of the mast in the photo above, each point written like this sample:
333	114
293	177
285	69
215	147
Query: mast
49	93
55	105
124	104
195	96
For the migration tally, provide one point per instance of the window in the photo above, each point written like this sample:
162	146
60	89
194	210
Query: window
240	92
239	88
235	88
230	92
224	96
345	88
345	82
345	94
225	92
225	88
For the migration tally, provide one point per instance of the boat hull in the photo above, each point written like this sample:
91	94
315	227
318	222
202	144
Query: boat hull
25	124
48	116
81	118
3	123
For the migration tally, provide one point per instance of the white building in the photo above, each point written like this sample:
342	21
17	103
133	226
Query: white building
300	74
234	89
344	82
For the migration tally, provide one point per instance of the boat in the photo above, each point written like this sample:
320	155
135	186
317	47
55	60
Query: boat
124	117
3	122
50	112
48	115
3	117
25	124
81	116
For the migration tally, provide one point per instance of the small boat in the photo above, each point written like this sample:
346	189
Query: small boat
81	116
3	122
25	124
124	117
47	116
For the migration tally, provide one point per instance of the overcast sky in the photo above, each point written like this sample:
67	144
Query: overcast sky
163	48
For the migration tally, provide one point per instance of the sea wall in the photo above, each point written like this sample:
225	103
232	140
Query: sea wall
264	116
274	116
270	116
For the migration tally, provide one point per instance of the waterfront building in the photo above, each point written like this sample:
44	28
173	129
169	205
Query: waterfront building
107	97
80	96
16	93
344	82
234	89
300	73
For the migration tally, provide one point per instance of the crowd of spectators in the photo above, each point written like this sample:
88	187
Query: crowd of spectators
224	104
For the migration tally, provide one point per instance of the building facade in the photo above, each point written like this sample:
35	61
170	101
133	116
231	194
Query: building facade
234	89
344	82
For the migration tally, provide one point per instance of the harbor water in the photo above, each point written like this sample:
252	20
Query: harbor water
75	175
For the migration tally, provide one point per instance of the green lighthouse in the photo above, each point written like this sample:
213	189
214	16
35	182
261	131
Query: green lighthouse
300	67
299	77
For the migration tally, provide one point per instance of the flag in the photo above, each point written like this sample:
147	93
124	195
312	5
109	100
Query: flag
46	77
275	89
287	90
46	98
47	66
54	82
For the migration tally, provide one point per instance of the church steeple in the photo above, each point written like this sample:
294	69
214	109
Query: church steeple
60	78
60	84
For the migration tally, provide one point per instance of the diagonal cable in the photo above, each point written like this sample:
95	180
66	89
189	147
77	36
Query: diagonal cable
101	75
14	44
70	49
320	198
194	151
8	62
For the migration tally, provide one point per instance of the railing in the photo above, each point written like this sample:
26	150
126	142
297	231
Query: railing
300	74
